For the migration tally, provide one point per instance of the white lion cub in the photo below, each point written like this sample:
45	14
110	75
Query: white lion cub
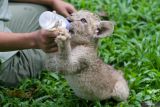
77	59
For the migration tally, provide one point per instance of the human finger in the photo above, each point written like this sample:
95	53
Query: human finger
51	41
53	34
54	49
71	9
65	13
51	45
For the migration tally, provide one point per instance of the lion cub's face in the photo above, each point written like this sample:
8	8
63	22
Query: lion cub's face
86	25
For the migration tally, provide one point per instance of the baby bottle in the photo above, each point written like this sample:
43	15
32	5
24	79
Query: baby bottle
49	20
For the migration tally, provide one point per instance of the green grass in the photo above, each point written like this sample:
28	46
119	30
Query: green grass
134	48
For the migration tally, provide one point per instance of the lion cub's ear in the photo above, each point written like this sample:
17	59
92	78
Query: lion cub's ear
105	29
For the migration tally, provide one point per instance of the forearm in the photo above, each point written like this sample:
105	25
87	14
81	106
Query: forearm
43	2
16	41
60	6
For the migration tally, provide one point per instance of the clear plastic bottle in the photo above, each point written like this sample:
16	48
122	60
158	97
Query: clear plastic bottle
49	20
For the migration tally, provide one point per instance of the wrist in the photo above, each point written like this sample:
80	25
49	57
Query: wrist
32	40
57	0
54	2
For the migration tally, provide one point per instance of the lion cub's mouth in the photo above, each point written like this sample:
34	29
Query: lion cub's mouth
71	31
71	27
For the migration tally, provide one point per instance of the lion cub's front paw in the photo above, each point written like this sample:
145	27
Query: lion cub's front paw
63	36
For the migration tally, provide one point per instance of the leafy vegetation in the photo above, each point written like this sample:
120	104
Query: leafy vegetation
134	48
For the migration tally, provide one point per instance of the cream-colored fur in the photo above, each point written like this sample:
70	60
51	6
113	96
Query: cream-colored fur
77	59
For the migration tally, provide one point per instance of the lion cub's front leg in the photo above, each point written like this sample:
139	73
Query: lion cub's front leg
57	61
63	42
64	51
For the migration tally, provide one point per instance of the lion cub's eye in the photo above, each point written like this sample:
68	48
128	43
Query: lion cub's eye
83	20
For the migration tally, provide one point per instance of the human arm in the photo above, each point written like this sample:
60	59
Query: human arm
40	39
60	6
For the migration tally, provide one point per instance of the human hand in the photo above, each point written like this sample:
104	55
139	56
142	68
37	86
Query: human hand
63	7
45	40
